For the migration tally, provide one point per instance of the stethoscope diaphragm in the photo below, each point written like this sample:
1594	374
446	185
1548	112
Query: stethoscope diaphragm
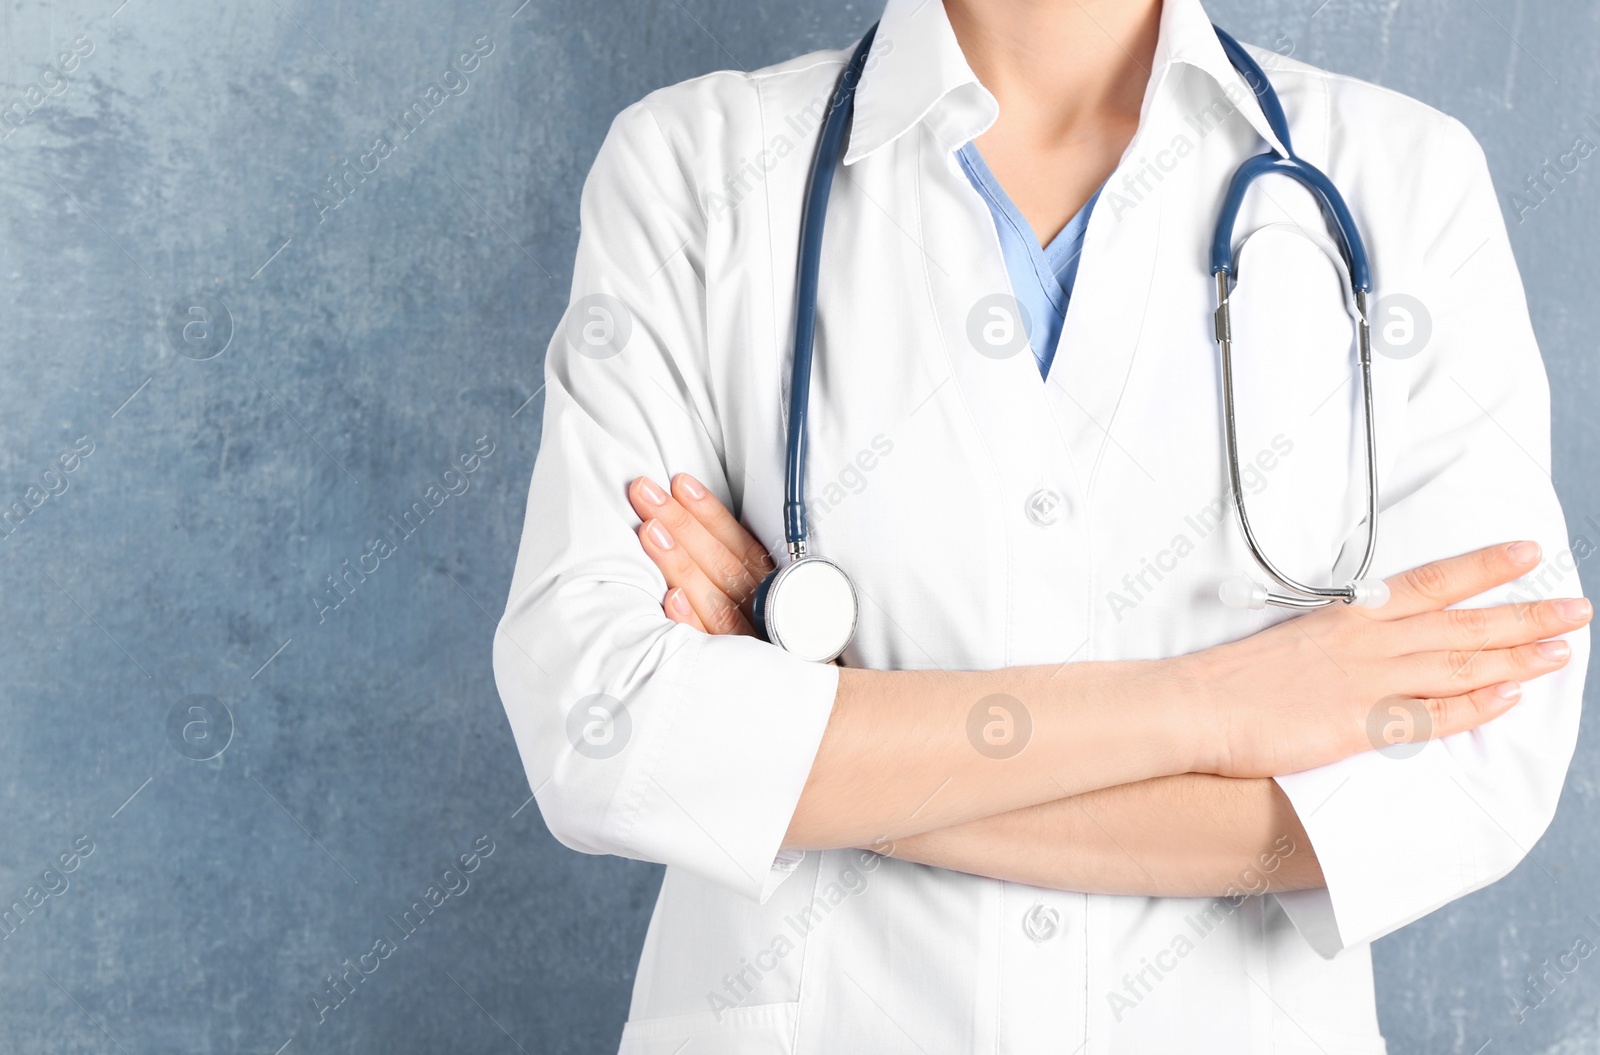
808	608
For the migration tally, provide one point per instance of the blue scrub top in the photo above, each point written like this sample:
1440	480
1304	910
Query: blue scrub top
1041	279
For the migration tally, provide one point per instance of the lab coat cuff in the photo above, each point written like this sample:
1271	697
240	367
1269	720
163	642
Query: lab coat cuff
1388	833
721	786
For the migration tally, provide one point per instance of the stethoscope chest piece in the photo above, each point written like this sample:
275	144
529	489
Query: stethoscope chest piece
808	608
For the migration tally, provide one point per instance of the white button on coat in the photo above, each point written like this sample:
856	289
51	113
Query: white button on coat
927	458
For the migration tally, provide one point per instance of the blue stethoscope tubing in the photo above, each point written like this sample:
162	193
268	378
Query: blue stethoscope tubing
832	620
1239	593
811	221
1245	592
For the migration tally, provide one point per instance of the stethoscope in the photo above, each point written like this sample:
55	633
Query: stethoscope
810	608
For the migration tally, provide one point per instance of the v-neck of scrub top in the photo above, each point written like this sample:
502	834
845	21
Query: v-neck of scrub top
1041	278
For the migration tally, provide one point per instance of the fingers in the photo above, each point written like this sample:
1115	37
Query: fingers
1499	626
717	612
1432	719
1454	579
716	561
697	498
1447	674
679	610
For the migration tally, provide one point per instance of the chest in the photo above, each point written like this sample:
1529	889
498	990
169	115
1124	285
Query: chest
989	517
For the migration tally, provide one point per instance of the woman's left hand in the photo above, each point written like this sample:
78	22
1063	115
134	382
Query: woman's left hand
711	563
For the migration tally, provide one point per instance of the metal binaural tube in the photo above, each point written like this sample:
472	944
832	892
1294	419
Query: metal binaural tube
1299	595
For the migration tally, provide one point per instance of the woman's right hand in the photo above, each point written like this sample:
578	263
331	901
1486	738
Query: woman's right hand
1332	683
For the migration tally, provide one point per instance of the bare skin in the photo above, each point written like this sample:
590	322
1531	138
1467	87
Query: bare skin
1069	79
1153	777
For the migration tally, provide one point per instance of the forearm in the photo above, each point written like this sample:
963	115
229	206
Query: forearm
1190	835
906	752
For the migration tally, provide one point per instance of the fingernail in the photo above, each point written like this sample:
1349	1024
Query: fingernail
691	485
653	494
1508	690
680	602
658	531
1575	610
1554	649
1524	552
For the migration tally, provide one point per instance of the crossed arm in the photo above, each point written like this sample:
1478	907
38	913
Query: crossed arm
1188	835
1124	800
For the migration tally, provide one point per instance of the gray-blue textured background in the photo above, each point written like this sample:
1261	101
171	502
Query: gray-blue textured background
371	345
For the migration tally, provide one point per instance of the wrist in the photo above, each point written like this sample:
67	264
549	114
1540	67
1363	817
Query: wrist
1180	696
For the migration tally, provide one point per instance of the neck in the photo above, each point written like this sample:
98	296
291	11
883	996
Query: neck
1059	68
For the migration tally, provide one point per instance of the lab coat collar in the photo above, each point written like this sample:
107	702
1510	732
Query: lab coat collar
916	71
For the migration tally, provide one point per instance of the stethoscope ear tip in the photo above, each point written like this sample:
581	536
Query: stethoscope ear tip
1369	593
1242	593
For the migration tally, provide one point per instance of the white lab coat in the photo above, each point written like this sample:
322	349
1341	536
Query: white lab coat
990	519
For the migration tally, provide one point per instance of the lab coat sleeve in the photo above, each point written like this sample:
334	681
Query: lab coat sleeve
641	737
1401	832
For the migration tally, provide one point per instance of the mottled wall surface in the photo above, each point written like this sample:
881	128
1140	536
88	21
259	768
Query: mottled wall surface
221	382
